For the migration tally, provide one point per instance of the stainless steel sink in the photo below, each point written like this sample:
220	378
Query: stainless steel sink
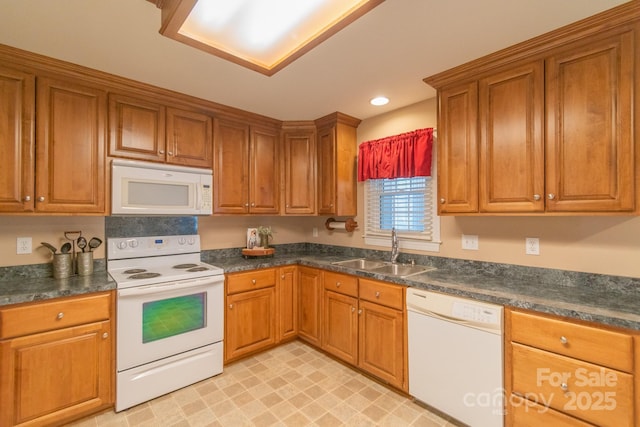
361	264
401	270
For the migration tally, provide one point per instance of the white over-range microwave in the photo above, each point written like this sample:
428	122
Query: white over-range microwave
144	188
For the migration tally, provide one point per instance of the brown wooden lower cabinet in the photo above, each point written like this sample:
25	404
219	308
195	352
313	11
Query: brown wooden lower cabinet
56	360
340	324
309	304
564	372
287	294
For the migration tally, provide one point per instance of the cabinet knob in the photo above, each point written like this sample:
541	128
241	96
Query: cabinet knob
27	198
230	306
563	340
551	196
442	201
353	309
253	281
161	151
170	153
338	284
60	315
105	335
246	205
282	277
536	197
360	311
253	204
41	199
564	386
377	294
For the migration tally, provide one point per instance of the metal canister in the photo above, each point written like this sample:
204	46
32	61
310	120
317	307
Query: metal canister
62	265
85	263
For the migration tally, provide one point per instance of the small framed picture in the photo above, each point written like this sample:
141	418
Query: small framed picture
252	238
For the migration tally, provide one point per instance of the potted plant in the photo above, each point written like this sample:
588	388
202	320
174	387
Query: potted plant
265	233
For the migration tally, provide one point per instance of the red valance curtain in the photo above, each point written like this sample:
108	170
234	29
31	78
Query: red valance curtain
400	156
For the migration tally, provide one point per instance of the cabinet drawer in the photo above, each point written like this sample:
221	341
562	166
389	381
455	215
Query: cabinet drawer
525	413
382	293
603	347
341	283
592	393
257	279
54	314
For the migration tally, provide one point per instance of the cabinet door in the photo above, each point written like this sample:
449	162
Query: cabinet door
70	153
264	182
17	99
230	167
458	149
136	128
340	321
189	141
511	110
53	377
288	302
382	343
327	171
309	304
251	322
590	142
300	158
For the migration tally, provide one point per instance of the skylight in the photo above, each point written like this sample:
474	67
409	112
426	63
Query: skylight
264	35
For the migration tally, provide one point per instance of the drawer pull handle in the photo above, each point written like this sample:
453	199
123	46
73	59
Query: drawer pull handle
105	335
60	315
338	284
564	386
563	340
253	281
378	294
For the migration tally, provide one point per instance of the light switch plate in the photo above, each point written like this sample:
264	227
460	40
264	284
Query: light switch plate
470	242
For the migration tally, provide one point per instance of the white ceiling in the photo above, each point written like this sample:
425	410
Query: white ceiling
386	52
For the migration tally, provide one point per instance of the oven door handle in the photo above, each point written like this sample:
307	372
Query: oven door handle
155	289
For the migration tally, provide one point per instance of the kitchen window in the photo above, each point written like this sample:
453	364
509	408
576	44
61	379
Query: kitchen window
400	186
407	204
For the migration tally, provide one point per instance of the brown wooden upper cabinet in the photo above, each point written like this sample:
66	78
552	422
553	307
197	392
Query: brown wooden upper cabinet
299	170
246	168
17	140
549	134
336	160
146	129
70	147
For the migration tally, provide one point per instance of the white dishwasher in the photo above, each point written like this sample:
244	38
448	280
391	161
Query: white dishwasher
455	356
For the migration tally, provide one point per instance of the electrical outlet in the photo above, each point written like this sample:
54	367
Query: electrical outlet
532	246
315	231
470	242
23	245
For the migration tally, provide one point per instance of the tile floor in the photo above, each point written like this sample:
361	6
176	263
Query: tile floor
290	385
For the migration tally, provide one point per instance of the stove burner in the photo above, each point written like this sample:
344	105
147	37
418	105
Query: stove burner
144	275
194	269
181	266
135	270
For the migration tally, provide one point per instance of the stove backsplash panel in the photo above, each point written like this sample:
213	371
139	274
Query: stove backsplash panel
139	226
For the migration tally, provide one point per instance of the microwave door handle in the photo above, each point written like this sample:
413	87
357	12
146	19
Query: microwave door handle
199	197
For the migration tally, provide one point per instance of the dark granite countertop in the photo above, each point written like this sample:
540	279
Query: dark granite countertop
609	300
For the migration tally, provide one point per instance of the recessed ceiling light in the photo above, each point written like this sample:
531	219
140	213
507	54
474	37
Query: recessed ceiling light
264	36
379	100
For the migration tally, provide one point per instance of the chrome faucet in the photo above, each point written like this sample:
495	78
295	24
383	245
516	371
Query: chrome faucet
394	246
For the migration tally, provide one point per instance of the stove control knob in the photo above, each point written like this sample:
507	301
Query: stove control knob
182	241
191	240
133	243
122	245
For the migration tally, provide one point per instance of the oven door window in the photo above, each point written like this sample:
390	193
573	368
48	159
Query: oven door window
173	316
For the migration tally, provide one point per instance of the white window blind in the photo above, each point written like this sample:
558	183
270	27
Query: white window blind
406	204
